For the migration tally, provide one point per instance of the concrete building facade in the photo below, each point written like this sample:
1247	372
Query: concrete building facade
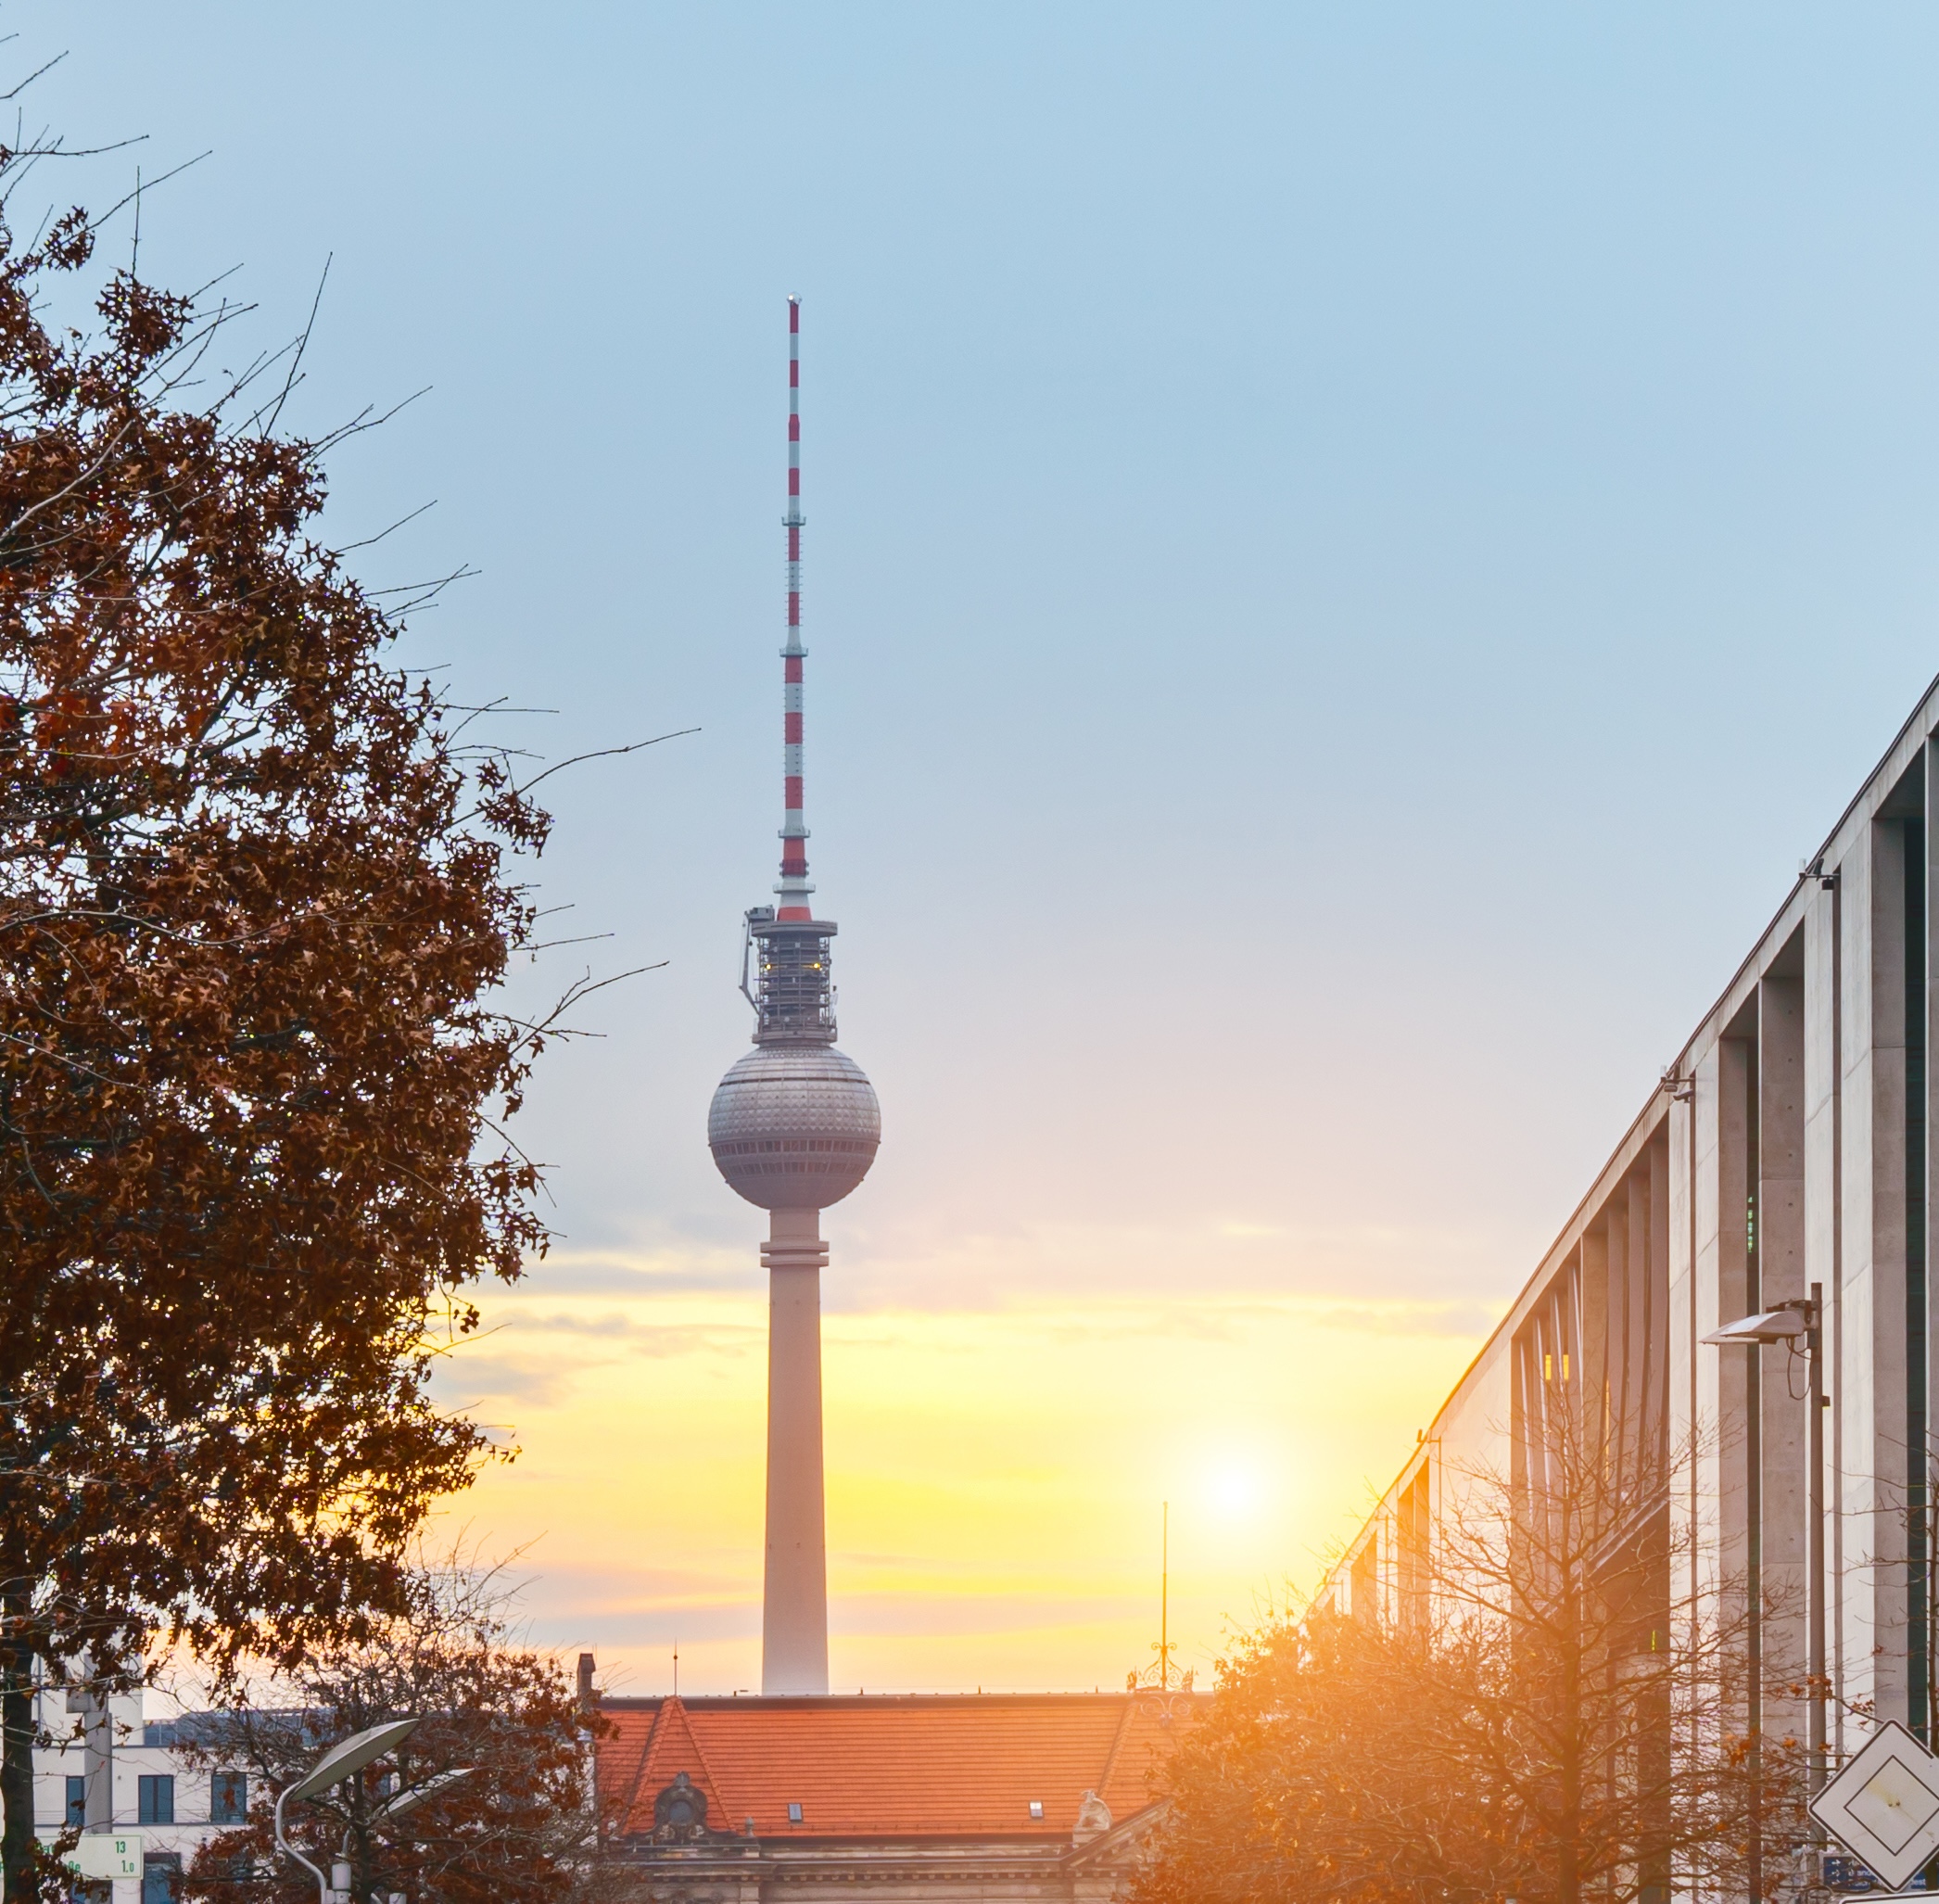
117	1771
1790	1149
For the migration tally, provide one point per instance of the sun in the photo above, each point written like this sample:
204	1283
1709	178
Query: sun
1232	1489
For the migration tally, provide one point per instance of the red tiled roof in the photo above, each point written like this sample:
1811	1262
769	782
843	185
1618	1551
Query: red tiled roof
893	1764
666	1747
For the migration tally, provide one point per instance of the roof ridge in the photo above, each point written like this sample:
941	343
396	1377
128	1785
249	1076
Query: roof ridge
1110	1761
700	1752
646	1753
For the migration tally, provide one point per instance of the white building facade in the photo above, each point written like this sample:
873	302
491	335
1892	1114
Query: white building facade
1791	1149
129	1775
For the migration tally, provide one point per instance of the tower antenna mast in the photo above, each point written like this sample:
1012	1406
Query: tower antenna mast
794	888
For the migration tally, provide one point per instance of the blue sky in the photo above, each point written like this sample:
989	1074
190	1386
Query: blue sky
1352	550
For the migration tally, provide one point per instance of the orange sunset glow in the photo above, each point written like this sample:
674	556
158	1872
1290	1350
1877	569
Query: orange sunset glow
995	1477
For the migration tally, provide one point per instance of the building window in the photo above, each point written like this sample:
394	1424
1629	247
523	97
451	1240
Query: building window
1412	1548
1364	1577
795	1812
161	1876
1036	1807
229	1797
77	1799
155	1802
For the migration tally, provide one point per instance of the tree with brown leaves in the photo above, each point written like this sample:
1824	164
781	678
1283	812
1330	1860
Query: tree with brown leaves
502	1754
1550	1707
254	901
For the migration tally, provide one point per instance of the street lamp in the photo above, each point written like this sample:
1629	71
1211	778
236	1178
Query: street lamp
341	1761
403	1801
1802	1316
398	1803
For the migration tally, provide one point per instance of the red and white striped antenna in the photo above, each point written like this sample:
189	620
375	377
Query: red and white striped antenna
794	888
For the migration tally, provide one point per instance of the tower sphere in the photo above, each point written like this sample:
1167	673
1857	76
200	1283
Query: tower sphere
794	1126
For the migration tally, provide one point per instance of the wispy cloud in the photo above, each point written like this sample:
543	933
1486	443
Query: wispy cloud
676	1268
472	1382
888	1266
641	1332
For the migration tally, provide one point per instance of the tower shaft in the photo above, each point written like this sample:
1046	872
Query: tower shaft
794	1582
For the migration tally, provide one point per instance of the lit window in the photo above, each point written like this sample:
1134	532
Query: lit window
794	1813
1036	1807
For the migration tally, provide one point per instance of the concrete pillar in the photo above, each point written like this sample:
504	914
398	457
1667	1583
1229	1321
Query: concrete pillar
1639	1478
1823	1114
1649	1357
1698	1371
1601	1256
94	1707
1783	1399
1655	1414
1868	1394
794	1594
1931	1173
1692	1482
1737	1383
1889	1456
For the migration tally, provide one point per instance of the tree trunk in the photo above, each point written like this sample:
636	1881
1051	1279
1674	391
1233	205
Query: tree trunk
17	1880
1569	1863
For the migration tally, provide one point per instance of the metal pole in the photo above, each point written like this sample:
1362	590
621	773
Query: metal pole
1164	1602
1814	1550
282	1843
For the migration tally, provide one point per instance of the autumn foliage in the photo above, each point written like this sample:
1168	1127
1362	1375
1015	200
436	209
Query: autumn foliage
503	1748
254	901
1549	1705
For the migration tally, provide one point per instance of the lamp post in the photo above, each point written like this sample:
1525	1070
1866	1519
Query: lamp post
403	1801
394	1806
341	1761
1802	1316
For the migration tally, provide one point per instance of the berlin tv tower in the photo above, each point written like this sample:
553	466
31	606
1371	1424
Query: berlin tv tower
794	1128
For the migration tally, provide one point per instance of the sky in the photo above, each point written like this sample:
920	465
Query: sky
1352	550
